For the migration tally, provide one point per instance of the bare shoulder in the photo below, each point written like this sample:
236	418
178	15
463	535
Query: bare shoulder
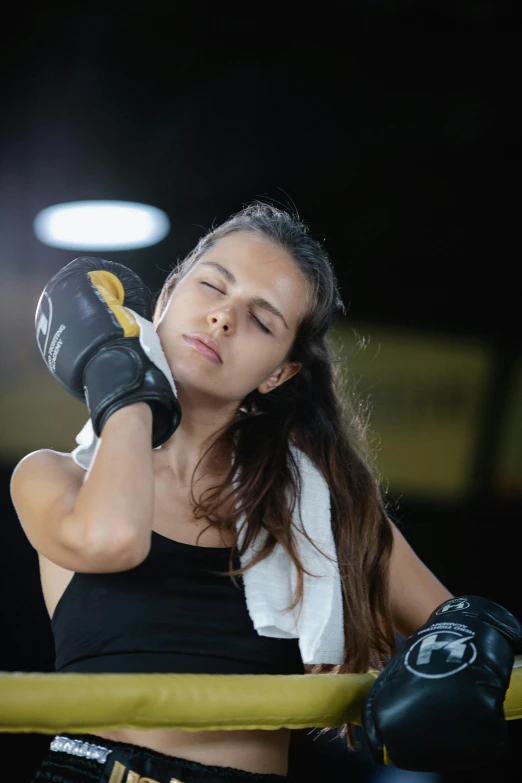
43	464
44	485
41	481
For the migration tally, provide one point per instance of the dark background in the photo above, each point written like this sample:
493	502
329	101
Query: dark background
393	127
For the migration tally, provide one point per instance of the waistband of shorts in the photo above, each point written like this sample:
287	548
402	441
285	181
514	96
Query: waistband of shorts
100	750
81	748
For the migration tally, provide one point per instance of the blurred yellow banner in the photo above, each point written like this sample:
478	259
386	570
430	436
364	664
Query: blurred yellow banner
37	413
427	396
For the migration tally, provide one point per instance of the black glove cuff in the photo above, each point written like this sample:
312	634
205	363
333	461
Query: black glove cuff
468	607
121	374
113	373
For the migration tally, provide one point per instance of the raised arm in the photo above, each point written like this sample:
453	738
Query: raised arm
96	522
91	340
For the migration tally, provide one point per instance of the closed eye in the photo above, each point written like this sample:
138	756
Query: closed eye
261	325
212	286
258	322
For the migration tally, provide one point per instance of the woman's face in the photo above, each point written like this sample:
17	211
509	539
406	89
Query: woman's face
247	295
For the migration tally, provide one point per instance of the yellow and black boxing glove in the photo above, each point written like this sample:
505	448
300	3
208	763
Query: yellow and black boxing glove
89	340
438	705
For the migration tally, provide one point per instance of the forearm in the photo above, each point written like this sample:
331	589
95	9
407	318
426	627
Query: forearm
116	500
413	589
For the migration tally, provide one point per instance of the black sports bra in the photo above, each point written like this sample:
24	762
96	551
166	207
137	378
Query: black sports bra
169	614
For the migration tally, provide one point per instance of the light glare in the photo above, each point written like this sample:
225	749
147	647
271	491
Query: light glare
101	225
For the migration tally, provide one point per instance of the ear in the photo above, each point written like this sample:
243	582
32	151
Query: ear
279	377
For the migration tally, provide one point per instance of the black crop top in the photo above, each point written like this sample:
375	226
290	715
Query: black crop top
169	614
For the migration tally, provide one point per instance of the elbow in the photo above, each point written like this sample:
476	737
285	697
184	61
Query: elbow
130	553
139	551
118	549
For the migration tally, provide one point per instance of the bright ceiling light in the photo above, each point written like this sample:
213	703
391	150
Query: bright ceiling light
101	225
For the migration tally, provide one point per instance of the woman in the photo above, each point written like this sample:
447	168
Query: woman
243	323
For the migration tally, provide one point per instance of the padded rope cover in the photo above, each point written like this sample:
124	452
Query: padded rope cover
51	703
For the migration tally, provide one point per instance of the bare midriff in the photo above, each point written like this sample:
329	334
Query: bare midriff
251	750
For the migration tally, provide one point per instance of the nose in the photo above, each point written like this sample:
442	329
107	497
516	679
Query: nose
222	319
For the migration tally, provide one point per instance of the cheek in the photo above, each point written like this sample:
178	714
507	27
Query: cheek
261	367
173	308
166	310
167	326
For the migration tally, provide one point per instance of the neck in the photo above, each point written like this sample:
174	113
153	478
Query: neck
186	447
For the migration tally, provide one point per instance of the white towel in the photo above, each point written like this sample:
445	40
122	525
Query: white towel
270	585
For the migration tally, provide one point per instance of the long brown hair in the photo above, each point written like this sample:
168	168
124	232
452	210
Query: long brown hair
317	413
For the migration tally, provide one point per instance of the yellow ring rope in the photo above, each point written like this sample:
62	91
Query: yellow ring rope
50	703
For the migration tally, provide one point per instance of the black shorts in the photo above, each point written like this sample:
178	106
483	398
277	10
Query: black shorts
86	758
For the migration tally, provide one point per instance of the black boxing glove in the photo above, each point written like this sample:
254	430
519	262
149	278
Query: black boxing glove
90	341
438	705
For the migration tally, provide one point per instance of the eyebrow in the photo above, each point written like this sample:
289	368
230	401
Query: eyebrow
259	301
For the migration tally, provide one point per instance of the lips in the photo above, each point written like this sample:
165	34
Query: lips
205	345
